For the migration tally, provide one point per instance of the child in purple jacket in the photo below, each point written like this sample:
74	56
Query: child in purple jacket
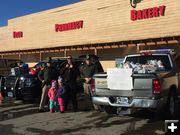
61	94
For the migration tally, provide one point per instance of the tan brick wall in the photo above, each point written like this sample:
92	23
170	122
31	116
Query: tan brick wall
104	21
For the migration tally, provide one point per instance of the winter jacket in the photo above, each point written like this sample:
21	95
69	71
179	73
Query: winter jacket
52	93
87	71
70	76
48	74
61	92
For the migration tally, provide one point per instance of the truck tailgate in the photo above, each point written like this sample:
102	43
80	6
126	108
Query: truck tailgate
142	86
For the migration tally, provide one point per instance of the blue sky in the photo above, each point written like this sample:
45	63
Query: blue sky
14	8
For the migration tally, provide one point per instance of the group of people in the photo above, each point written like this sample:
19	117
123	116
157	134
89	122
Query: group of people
61	86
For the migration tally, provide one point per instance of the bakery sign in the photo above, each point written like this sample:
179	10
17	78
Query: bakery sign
147	13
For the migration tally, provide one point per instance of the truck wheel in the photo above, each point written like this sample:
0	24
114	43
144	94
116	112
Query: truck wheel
110	110
171	105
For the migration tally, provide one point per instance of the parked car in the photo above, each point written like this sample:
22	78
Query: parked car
23	87
36	68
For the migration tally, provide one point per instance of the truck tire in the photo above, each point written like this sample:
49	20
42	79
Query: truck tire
110	110
171	105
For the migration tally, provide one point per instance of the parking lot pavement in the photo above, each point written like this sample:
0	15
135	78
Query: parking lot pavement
26	121
79	123
23	119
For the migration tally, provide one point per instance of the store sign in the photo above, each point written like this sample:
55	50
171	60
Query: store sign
148	13
18	34
69	26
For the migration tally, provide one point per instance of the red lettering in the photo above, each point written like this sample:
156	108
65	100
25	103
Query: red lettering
147	13
155	12
81	24
17	34
144	13
150	12
73	25
21	34
69	26
76	25
139	15
162	10
14	34
60	27
56	27
63	27
133	15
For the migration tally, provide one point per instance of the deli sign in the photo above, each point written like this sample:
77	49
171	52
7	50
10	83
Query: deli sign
147	13
17	34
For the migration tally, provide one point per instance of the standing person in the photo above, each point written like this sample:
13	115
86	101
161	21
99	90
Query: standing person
87	71
46	75
52	94
70	76
61	94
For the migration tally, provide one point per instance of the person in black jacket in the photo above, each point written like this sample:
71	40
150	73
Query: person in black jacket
70	75
46	76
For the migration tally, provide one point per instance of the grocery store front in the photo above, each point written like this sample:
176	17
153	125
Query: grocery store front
108	29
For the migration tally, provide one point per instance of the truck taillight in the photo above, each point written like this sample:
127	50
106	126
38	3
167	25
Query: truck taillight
156	86
93	85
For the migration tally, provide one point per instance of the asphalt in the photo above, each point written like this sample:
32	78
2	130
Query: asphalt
17	118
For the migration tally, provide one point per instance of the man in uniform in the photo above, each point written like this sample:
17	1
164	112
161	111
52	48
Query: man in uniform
46	76
87	71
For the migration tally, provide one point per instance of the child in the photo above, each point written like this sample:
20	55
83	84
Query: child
61	95
52	97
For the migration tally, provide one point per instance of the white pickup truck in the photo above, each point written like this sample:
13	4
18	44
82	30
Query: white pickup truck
149	79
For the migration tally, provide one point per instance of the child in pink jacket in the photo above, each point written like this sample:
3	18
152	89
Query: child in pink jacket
52	94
